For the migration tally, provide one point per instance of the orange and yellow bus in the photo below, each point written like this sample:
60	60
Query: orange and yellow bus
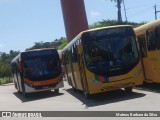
37	70
103	59
148	37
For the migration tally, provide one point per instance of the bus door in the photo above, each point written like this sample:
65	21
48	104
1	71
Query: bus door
157	54
15	76
153	55
143	52
69	68
82	69
20	69
18	78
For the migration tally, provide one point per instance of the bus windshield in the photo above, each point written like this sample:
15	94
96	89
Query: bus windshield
37	66
110	51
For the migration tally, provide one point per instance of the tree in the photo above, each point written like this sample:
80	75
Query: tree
57	44
63	43
119	9
104	23
5	60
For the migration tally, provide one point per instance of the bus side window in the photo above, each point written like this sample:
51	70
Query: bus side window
151	41
157	36
63	58
142	46
74	53
67	57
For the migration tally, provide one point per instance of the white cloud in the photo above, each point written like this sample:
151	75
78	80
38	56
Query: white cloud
95	14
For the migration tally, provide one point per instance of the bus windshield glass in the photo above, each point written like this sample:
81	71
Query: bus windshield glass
110	51
40	65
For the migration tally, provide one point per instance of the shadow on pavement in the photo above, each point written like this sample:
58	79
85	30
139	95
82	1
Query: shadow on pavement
36	95
151	87
104	98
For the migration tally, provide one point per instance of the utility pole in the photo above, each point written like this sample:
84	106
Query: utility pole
119	10
125	11
155	8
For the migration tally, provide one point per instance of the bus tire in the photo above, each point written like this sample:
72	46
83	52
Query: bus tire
128	89
56	91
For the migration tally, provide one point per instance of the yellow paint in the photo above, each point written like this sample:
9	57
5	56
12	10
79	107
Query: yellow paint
115	82
151	63
152	66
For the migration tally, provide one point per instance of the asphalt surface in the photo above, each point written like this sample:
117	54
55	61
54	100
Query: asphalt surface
143	98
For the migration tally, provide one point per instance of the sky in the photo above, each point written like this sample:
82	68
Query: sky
24	22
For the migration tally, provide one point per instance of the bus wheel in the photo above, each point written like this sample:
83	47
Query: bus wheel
56	91
87	95
128	89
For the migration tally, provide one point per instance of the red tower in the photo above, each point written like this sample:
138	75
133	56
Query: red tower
74	15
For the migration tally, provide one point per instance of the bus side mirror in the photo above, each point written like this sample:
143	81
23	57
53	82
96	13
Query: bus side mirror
79	49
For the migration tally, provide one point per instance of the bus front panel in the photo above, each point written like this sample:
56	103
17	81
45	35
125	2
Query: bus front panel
111	58
41	69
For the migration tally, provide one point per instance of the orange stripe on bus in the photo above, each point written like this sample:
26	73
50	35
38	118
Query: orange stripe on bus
44	82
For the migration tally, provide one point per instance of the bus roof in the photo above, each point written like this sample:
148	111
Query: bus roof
142	29
101	28
40	49
18	56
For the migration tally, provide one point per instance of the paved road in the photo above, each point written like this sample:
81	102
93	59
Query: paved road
143	98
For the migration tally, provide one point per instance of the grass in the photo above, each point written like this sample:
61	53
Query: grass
5	80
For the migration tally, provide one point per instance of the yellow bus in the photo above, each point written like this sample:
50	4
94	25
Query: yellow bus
37	70
103	59
148	37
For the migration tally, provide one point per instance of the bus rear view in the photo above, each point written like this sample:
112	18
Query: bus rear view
37	70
